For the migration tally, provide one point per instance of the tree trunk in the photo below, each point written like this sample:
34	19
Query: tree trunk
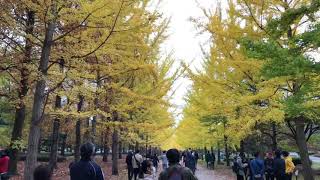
63	145
106	146
20	110
219	158
115	148
39	100
120	150
136	146
78	131
226	148
54	145
303	149
55	138
78	141
274	137
242	147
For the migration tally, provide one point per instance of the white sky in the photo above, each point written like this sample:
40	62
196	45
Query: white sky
184	40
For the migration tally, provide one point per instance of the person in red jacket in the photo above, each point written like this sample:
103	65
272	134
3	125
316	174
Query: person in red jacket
4	162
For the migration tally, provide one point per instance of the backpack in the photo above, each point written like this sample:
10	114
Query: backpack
176	175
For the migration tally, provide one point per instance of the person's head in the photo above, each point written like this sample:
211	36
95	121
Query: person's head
42	172
285	153
137	151
242	155
155	154
146	166
269	155
164	152
257	154
173	156
277	153
87	150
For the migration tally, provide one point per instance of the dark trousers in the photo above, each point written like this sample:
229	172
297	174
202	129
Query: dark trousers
288	176
130	173
269	177
280	177
136	173
239	177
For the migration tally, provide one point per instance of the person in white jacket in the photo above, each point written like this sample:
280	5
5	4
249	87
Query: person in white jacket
136	163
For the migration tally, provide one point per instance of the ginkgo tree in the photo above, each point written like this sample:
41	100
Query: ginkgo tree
281	89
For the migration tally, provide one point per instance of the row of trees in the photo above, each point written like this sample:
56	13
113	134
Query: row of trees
88	69
261	76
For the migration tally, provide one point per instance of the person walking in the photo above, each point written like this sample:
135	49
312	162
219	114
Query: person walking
129	165
208	159
257	167
239	167
190	161
196	158
175	170
86	168
269	164
4	164
213	159
155	161
289	165
279	166
136	164
164	160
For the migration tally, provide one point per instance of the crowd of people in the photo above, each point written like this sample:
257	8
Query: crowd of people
176	165
277	165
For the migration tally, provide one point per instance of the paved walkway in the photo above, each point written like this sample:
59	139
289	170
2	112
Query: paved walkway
204	174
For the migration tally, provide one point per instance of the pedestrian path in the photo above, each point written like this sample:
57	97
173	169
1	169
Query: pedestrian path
203	173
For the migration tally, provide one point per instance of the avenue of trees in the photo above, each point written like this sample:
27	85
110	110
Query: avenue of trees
81	71
260	78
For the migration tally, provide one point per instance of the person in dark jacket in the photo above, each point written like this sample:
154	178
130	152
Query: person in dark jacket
86	169
155	161
129	165
279	166
190	161
269	164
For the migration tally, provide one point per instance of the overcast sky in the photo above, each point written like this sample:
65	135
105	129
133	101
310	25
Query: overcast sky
184	39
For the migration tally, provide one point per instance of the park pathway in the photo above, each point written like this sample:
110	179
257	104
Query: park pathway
205	174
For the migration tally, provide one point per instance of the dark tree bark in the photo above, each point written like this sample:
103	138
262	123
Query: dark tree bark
20	110
226	149
274	137
78	131
39	99
303	149
120	150
105	146
219	158
54	145
63	145
115	148
55	138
